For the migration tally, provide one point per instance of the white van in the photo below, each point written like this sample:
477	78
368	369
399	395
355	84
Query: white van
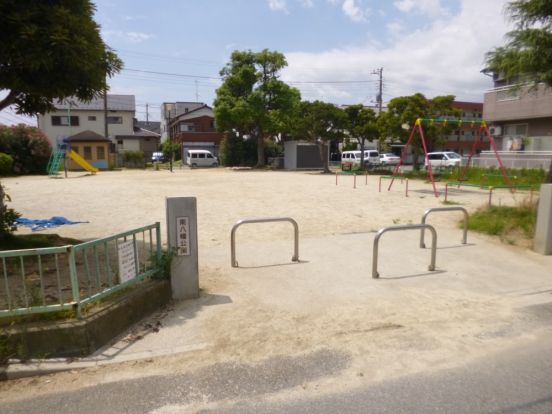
201	158
443	159
350	159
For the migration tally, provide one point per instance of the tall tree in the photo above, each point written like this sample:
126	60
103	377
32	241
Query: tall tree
51	50
403	111
319	122
252	100
361	125
527	54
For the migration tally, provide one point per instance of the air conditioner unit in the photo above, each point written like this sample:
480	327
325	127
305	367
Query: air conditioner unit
495	130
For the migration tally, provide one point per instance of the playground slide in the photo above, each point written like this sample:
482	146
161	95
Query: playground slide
82	162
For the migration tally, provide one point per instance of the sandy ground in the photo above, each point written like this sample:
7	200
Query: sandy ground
263	310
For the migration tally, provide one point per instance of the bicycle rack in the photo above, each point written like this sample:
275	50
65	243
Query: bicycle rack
375	274
430	210
295	257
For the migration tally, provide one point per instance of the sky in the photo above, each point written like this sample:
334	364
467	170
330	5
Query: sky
333	47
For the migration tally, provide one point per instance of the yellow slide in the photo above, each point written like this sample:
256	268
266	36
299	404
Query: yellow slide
82	162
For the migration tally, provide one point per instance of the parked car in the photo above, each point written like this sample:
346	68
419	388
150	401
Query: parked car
157	157
371	158
349	159
443	159
201	158
389	159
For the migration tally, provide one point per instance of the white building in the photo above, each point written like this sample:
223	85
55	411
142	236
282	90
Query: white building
72	117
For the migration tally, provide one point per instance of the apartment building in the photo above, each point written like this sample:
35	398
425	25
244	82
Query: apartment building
520	117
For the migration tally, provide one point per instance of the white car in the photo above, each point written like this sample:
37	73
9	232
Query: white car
443	159
389	159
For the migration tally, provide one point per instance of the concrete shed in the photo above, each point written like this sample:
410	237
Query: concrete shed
301	155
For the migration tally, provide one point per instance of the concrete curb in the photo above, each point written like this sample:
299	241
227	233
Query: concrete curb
35	367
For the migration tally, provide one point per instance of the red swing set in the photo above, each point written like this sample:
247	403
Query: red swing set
482	129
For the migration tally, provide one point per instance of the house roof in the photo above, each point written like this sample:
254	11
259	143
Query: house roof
140	133
193	114
152	126
88	136
114	103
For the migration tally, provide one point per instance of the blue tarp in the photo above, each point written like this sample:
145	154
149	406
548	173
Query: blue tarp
42	224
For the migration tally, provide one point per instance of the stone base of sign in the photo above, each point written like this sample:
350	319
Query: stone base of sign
543	228
77	338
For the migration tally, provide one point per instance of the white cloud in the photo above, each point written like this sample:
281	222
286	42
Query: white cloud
307	4
278	5
354	10
132	37
432	8
444	58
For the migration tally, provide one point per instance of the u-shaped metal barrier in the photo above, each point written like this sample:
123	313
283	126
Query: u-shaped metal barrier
375	274
431	210
295	257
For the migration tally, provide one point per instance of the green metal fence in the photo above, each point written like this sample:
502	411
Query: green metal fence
70	277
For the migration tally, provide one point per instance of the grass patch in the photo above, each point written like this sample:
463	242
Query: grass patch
34	241
511	224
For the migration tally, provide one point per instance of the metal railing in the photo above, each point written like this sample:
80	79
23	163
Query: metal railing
431	210
375	274
295	257
70	277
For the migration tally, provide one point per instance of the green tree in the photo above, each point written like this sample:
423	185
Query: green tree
402	113
320	122
51	50
361	125
252	100
527	54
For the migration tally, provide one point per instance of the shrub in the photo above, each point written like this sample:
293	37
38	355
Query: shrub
6	164
8	216
28	146
134	159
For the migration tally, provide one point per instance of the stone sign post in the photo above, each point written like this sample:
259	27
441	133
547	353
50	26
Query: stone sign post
182	241
543	228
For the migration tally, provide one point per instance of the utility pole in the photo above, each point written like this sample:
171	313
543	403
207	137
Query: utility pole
105	113
147	115
170	142
379	98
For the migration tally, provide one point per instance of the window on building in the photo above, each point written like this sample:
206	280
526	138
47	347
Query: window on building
508	94
114	119
87	152
213	124
187	127
64	120
91	118
515	129
75	148
120	142
100	153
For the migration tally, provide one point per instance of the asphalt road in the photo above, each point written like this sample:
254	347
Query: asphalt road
511	382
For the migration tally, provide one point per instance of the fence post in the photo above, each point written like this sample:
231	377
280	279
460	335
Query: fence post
407	187
354	182
74	281
543	226
490	195
446	192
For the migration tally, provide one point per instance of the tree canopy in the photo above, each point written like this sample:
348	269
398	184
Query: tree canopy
403	111
319	122
361	125
252	100
528	49
51	50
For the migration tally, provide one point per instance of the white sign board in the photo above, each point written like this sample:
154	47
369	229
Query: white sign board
182	236
127	264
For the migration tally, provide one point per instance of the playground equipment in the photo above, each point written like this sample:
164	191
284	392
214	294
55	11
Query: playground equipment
295	257
431	210
458	123
375	274
57	157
